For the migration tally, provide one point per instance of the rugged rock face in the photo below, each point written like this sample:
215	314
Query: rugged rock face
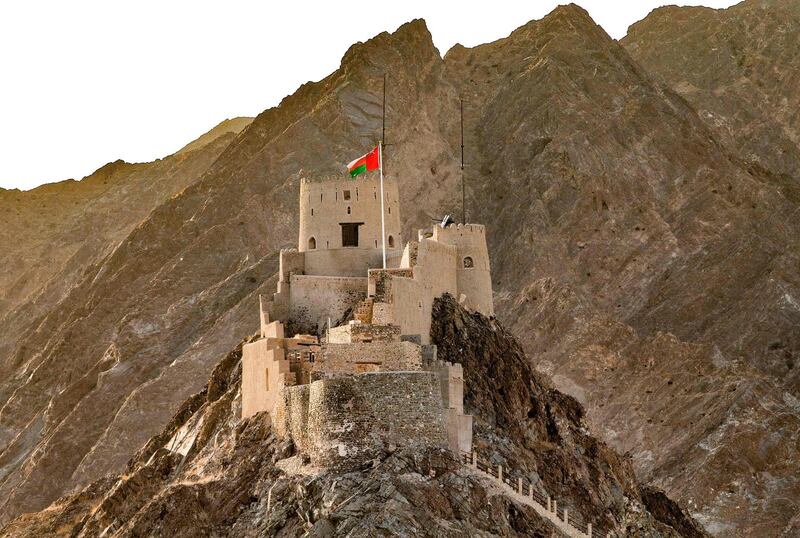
209	474
645	266
50	235
525	424
639	253
738	68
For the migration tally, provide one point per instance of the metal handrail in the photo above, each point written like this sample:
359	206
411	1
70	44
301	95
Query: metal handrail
526	487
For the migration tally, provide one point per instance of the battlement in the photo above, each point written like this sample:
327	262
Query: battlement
459	230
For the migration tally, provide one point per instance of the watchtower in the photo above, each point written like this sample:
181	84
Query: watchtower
340	225
473	274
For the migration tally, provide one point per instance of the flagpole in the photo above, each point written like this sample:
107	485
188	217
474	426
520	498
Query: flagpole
383	225
463	197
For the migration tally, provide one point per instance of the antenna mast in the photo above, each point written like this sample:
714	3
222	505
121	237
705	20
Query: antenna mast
383	114
383	120
463	197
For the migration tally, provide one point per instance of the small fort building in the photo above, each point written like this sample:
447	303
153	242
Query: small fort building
343	362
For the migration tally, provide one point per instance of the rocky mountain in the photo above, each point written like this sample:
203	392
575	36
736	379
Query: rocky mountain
234	126
738	67
643	259
209	474
49	235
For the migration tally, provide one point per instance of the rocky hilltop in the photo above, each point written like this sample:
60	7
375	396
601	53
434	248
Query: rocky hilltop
645	256
209	474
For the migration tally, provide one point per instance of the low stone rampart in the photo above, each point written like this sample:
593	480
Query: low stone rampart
353	419
359	358
297	414
363	332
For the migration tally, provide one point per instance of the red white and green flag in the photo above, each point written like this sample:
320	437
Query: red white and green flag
365	163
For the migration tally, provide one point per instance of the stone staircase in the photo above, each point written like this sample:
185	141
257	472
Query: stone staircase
545	506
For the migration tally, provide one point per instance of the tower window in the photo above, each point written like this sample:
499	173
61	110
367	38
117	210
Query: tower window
312	211
312	243
391	242
468	263
266	378
346	195
348	210
390	210
350	233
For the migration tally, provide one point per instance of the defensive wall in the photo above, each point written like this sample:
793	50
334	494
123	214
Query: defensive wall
352	419
473	273
450	260
315	299
357	358
267	365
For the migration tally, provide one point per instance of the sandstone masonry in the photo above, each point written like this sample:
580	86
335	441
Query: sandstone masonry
365	380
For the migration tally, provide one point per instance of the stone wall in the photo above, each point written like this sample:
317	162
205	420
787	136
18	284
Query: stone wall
291	262
380	281
263	368
459	425
473	273
363	332
297	407
411	299
352	419
358	358
314	298
342	261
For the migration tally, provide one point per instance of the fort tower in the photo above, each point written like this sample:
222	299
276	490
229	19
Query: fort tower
340	225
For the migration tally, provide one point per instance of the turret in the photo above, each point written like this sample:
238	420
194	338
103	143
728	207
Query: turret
473	274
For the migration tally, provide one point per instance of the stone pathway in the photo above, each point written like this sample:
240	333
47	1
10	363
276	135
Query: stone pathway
544	506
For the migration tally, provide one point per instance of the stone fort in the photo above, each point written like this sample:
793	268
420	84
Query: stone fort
343	362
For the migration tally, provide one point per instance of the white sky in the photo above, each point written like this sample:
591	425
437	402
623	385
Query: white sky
83	83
